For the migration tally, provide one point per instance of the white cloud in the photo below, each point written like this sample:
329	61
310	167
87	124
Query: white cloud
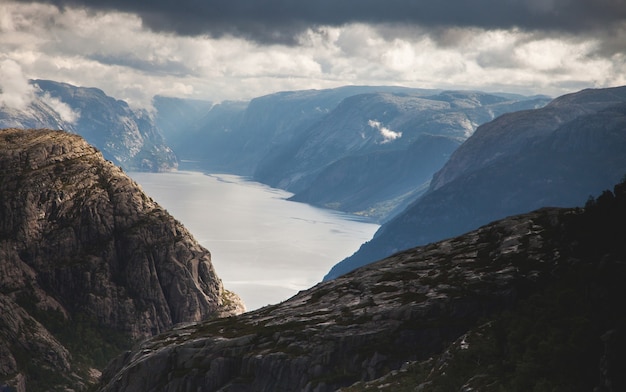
66	113
387	134
15	91
114	52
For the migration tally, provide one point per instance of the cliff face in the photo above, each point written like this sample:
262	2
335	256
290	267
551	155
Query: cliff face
408	307
82	245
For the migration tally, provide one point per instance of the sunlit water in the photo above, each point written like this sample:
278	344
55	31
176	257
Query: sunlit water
264	247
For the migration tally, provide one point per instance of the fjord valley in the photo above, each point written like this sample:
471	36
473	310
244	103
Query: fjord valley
484	244
364	150
312	196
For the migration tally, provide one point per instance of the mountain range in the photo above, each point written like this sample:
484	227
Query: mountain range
333	147
127	137
89	264
366	150
558	155
462	290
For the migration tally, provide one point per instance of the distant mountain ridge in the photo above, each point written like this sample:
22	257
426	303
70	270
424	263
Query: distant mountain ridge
127	137
303	141
554	156
88	264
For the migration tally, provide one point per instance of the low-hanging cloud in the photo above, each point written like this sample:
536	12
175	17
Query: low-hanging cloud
281	21
387	134
64	110
15	89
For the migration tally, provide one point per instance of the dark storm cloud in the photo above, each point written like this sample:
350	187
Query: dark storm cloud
279	21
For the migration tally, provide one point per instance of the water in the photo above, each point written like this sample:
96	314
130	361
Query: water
264	247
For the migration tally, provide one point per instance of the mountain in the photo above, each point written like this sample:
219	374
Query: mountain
554	156
127	137
364	127
304	141
530	302
208	143
235	136
88	264
382	183
382	121
175	116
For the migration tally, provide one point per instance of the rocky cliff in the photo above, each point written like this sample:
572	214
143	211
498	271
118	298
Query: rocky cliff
395	314
88	263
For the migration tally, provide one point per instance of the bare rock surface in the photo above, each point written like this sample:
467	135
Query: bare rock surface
356	327
83	249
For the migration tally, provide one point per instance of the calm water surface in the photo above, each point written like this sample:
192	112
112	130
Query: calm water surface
264	247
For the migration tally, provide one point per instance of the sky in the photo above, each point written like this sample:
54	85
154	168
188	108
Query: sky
239	49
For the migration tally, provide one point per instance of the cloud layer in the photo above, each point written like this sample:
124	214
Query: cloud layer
281	21
241	49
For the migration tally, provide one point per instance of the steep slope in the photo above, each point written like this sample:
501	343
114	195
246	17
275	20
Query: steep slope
365	127
380	184
127	137
88	263
209	143
556	156
407	307
298	140
380	121
512	132
175	115
237	136
567	336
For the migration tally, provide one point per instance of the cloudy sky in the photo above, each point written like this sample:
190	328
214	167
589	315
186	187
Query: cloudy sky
238	49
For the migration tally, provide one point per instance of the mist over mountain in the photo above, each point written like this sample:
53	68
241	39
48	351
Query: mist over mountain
174	115
88	264
529	301
127	137
208	143
554	156
307	141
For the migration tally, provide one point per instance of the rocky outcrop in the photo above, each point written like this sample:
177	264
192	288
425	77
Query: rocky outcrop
408	307
84	252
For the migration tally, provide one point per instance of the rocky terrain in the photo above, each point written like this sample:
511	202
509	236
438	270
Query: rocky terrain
88	264
558	156
416	317
127	137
